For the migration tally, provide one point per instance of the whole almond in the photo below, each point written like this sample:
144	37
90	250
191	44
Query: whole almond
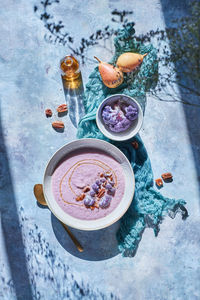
58	124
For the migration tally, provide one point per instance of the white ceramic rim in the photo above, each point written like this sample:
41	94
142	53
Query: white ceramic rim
124	135
122	207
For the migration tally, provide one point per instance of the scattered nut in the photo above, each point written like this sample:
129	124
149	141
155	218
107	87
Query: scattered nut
167	177
86	189
159	182
58	124
62	108
96	205
107	174
80	197
135	145
48	112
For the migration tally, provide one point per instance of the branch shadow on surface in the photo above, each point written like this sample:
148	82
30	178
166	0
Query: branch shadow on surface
187	66
12	234
98	245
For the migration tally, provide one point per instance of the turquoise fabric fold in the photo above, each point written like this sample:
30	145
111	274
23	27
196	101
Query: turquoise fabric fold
148	206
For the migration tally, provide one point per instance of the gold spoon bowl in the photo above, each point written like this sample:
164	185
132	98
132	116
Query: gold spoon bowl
39	195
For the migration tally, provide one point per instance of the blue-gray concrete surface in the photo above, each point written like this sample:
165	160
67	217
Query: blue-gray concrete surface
37	259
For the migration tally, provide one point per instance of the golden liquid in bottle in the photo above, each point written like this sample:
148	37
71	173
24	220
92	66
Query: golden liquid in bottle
70	72
73	88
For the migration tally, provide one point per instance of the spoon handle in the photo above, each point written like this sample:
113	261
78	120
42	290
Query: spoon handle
75	241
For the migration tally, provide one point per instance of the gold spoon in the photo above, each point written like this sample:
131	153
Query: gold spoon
39	195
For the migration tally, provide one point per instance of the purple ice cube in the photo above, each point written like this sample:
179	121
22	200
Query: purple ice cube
117	128
102	180
109	115
131	112
121	126
106	117
95	187
88	201
129	108
125	123
105	114
111	191
132	116
105	201
111	182
92	193
108	109
113	119
108	186
98	182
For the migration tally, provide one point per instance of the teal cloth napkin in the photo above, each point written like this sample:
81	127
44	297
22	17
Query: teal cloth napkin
148	206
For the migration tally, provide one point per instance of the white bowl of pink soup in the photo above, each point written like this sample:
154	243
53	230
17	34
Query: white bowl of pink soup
89	184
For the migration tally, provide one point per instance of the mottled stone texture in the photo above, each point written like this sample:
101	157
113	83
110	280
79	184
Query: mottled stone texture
37	259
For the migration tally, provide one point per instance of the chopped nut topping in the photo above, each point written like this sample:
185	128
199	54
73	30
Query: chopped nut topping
101	193
107	174
80	197
86	189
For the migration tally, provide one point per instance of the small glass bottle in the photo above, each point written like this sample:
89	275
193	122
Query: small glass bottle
73	87
70	69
